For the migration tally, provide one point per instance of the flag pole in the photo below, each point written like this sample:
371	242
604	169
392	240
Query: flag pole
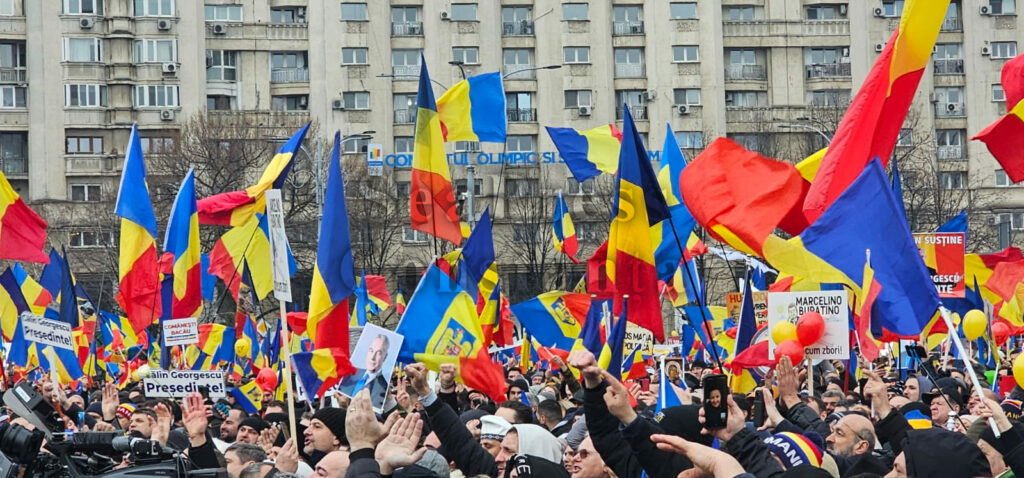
286	338
970	370
703	301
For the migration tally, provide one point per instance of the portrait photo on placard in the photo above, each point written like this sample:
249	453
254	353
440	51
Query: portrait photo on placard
374	360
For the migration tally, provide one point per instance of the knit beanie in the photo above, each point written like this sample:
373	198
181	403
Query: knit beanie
254	422
125	410
95	407
793	450
334	419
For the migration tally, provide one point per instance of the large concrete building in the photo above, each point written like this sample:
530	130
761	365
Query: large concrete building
75	75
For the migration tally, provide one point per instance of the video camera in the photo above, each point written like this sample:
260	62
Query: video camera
85	454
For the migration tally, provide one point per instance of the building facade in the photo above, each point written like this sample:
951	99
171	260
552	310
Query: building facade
771	74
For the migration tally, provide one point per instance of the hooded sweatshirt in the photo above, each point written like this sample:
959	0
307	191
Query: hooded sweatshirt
536	441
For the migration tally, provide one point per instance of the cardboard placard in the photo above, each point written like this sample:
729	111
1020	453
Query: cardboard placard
181	331
45	331
178	383
833	307
734	302
943	254
278	246
638	336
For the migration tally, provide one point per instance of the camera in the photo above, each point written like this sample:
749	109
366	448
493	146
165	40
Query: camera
87	454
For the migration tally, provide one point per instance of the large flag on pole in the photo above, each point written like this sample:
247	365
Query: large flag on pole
563	232
1005	137
138	285
432	202
182	240
22	231
467	111
333	275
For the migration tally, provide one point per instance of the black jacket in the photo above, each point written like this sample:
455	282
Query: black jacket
893	430
459	444
205	455
804	417
857	464
1011	445
362	464
749	449
657	463
603	428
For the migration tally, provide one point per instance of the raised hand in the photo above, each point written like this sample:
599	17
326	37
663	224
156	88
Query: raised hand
772	416
446	377
268	436
399	448
193	416
163	423
876	390
585	362
110	401
734	422
361	425
288	457
617	398
789	383
706	460
417	375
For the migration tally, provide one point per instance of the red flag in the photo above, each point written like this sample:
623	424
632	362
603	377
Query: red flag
22	231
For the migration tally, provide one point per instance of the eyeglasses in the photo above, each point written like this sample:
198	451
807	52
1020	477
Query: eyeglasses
583	453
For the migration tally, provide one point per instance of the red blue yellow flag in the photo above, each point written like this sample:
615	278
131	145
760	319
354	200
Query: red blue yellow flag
138	287
563	232
22	231
182	240
467	109
554	318
321	369
588	153
432	207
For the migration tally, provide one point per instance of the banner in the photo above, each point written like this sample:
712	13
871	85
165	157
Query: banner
278	246
637	335
734	301
943	254
181	331
178	383
833	307
45	331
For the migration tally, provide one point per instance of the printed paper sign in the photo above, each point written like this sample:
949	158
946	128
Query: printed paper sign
45	331
833	307
943	254
637	336
278	246
181	331
374	159
734	303
178	383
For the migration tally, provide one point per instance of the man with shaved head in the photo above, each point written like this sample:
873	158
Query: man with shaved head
851	443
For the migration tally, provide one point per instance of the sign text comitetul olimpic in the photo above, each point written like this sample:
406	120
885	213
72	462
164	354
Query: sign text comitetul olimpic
519	158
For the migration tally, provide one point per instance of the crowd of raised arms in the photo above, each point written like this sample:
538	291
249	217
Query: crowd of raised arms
576	419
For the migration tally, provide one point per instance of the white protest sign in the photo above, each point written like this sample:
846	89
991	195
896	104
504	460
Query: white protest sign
833	307
179	383
45	331
638	336
278	246
181	331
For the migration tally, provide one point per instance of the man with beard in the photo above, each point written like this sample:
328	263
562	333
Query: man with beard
851	443
229	427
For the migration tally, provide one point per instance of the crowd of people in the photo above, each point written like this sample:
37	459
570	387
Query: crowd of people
576	419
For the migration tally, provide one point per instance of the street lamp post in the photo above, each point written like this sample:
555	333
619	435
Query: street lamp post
392	75
532	68
459	64
806	127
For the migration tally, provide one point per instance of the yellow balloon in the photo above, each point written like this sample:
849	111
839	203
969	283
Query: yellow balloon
975	323
1018	370
783	331
243	346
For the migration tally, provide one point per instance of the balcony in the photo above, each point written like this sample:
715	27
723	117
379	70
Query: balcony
405	116
520	28
263	118
289	75
627	28
14	166
521	115
949	66
950	110
405	71
12	75
406	29
639	113
952	152
629	70
828	70
953	24
745	72
522	72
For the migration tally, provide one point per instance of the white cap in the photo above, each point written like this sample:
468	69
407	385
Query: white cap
494	427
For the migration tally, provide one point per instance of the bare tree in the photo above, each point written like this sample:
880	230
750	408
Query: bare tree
377	214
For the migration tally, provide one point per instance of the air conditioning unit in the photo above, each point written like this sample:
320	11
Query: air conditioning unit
163	25
842	9
338	104
169	68
167	115
879	12
932	98
650	95
984	10
683	109
951	107
585	110
86	23
303	101
219	29
300	12
994	220
985	51
444	15
845	52
879	47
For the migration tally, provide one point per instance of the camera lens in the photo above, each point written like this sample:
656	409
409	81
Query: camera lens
20	444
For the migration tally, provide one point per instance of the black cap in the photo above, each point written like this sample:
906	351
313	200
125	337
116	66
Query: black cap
952	392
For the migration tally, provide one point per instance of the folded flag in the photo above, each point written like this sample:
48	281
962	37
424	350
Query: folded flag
38	298
12	303
467	109
554	318
321	369
611	354
22	231
1005	137
249	243
635	365
249	397
138	276
217	341
563	233
399	303
588	153
235	208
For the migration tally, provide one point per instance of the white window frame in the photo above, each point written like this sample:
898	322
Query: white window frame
1002	8
671	13
98	235
756	95
356	100
90	140
960	183
414	236
408	143
99	92
576	188
998	94
1002	180
905	138
524	187
681	54
218	64
146	11
1003	50
351	56
514	143
365	12
686	96
10	92
74	7
467	147
571	55
223	13
97	49
85	187
576	93
892	8
355	146
463	18
690	139
727	13
464	52
586	12
146	96
7	8
147	50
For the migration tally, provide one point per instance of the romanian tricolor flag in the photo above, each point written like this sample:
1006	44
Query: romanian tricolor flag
635	365
333	276
869	290
872	123
138	287
321	369
554	318
399	303
12	304
117	335
250	244
638	205
217	341
372	298
432	207
22	231
468	110
235	208
611	354
249	397
588	153
563	233
1006	282
182	240
1005	137
674	239
38	298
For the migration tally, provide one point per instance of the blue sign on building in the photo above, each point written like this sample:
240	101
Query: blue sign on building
528	158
